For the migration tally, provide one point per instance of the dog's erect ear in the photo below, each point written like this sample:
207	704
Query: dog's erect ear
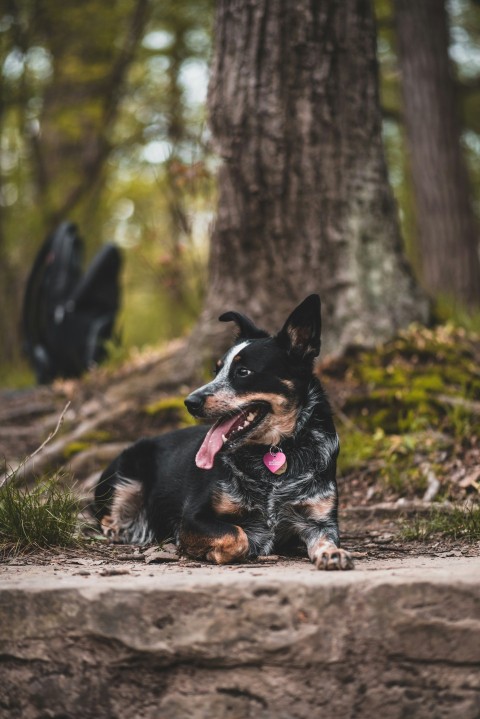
300	335
246	329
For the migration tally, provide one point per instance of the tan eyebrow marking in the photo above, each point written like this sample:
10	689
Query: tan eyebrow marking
236	359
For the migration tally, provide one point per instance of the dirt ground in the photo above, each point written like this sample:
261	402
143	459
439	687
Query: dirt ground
374	540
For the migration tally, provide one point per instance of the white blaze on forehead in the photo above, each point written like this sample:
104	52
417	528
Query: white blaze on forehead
222	376
221	379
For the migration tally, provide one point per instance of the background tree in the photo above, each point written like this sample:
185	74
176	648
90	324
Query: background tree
448	231
305	203
99	123
71	68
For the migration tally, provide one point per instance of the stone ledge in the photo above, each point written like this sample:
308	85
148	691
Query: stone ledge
398	640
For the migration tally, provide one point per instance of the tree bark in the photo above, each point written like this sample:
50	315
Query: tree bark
304	204
448	233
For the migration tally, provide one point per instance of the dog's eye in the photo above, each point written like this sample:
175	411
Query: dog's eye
242	372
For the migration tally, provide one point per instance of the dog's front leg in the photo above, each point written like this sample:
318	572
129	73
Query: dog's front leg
218	542
316	522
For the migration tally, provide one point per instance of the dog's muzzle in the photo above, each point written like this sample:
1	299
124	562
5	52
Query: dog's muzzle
195	402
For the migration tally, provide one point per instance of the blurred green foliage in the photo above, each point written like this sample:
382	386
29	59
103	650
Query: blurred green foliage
102	119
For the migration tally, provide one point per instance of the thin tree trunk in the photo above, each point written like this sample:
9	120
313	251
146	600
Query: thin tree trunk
71	143
305	205
77	117
447	228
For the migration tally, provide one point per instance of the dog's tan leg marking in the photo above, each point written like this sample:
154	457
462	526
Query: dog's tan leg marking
125	508
318	508
327	556
229	549
223	504
220	550
109	527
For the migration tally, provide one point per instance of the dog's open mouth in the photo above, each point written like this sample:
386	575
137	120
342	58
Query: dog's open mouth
226	430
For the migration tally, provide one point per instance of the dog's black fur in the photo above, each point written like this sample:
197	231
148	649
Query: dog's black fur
217	499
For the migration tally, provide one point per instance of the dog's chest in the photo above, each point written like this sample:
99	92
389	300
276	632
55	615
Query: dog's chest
262	507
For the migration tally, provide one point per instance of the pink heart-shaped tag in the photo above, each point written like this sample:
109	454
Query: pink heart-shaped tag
274	461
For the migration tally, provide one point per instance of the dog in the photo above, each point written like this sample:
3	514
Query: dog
261	479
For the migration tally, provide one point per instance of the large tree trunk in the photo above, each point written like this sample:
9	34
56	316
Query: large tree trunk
305	205
447	229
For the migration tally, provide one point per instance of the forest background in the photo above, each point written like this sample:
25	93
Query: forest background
103	121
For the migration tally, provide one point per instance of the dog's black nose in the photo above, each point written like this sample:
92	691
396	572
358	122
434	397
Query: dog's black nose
194	402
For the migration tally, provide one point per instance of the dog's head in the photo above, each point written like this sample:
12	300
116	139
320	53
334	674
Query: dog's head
260	383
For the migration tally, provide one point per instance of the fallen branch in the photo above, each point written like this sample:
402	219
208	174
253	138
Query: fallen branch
99	454
56	450
28	460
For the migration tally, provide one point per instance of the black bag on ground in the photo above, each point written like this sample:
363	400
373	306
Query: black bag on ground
68	315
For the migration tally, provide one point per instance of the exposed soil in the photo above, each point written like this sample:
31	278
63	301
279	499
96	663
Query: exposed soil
372	540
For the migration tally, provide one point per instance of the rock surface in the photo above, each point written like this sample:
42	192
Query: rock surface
389	640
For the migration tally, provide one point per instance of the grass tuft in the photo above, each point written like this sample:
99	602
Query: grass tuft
42	516
458	524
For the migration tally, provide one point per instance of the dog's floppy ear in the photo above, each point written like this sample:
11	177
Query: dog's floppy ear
246	329
300	335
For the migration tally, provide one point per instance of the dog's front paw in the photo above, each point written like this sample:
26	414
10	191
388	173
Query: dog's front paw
329	557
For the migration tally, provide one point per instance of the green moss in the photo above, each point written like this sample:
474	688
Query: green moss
98	436
398	411
402	384
461	422
355	449
16	375
173	409
74	448
427	383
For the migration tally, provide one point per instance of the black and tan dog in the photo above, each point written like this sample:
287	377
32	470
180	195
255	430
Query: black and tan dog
261	479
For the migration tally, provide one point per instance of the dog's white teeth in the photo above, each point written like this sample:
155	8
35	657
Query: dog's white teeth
251	416
224	439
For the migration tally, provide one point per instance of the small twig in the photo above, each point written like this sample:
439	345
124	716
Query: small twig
8	475
466	404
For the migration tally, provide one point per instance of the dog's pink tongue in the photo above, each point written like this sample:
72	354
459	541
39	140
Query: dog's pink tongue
213	443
